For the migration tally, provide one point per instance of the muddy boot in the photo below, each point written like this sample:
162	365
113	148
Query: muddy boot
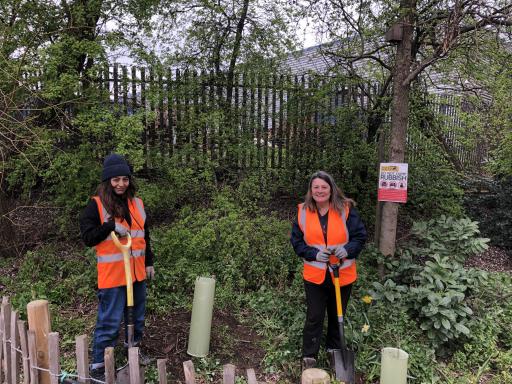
308	362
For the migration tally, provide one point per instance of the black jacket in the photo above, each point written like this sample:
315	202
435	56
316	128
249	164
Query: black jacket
356	232
94	232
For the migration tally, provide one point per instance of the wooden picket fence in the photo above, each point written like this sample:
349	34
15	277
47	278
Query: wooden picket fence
30	354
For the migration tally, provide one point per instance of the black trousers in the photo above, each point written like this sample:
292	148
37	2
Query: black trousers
320	297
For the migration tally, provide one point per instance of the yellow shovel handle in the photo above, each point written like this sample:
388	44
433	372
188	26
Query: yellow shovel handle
339	308
125	250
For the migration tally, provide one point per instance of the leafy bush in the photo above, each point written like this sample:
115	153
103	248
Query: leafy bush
436	291
173	185
451	237
487	348
60	276
69	177
280	316
389	291
438	300
241	249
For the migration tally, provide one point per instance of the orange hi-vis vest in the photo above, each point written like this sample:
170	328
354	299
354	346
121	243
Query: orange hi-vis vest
337	234
109	257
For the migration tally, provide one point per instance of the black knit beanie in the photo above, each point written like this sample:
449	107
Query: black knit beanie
114	165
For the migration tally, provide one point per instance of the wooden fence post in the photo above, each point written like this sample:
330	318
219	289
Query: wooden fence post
110	368
315	376
190	373
22	329
82	358
39	321
15	361
133	361
251	376
162	372
228	376
54	357
6	309
32	353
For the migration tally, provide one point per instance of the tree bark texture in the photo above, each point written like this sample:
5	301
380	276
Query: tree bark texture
399	121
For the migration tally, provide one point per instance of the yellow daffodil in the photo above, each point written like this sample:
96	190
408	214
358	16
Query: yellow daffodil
367	299
365	328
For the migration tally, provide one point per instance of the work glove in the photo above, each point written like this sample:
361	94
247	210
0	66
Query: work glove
121	230
150	273
340	252
323	255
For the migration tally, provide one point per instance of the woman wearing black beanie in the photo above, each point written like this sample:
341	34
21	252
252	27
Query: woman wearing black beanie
116	208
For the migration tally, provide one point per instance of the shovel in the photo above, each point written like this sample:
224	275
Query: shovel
123	374
344	357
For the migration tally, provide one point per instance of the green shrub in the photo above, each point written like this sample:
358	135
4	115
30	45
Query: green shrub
69	177
173	185
429	281
438	301
390	326
486	350
241	249
61	276
447	236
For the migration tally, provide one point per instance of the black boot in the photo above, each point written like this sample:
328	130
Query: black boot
97	374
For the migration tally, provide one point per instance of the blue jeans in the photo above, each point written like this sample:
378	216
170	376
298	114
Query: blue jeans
111	311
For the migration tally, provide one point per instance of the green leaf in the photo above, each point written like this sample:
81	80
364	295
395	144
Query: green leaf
462	328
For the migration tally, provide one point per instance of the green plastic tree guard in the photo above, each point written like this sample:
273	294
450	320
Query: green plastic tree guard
393	368
201	322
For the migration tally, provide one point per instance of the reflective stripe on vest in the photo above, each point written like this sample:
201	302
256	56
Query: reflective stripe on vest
118	256
337	234
109	259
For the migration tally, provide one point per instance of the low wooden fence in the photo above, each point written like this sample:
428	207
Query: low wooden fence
30	354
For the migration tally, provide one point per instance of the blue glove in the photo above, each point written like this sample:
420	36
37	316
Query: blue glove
323	255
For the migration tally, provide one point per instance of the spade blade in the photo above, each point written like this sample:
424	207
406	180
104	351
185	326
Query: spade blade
344	365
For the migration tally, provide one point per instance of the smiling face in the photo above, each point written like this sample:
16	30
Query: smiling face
321	191
120	184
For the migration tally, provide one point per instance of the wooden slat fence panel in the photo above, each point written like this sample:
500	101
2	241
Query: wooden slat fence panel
271	120
22	330
26	346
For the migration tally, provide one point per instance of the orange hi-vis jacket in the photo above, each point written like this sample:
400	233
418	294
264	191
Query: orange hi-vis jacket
337	234
109	257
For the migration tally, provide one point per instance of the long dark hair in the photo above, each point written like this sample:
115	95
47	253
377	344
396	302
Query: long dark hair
111	200
337	200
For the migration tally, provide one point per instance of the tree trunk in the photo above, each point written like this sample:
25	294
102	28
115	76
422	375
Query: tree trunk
399	121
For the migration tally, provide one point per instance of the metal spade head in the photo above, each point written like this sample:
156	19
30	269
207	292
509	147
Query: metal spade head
344	367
